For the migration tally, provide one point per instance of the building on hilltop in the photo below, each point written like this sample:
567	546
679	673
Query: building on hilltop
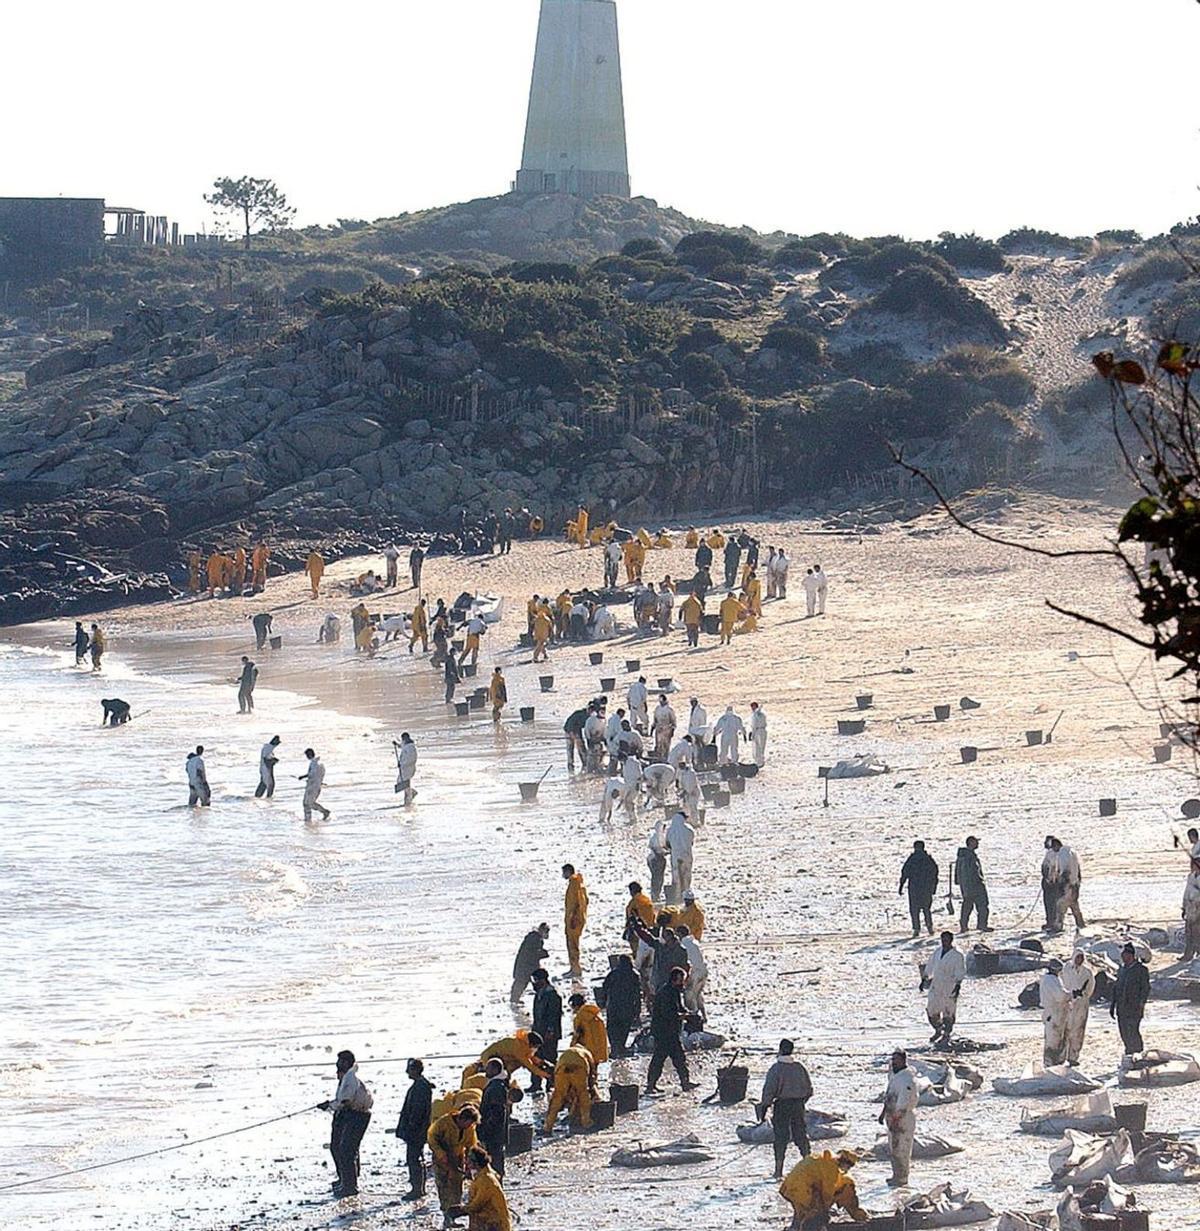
575	133
40	236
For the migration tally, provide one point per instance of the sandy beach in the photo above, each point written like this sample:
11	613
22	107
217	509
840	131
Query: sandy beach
403	924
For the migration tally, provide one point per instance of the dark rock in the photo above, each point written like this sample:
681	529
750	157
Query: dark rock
59	363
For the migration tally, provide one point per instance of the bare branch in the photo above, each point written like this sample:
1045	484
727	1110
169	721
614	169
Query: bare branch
1108	628
1110	553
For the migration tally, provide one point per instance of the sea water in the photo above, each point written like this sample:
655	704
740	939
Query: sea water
147	946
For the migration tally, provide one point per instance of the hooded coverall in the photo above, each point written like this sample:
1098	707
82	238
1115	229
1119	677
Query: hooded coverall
448	1143
574	1084
1077	979
486	1208
729	611
900	1119
814	1186
1055	1005
514	1052
588	1031
315	568
575	908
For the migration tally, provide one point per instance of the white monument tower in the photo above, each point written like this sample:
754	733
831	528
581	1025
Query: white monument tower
575	134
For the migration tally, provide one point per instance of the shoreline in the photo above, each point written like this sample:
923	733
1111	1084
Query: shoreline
787	884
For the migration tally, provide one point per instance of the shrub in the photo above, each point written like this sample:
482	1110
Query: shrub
539	271
797	344
1119	237
826	244
740	248
534	363
702	374
639	249
998	376
927	292
1158	265
797	256
878	266
700	337
971	252
1073	409
732	406
879	363
1034	241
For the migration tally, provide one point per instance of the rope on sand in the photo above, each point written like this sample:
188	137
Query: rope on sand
129	1158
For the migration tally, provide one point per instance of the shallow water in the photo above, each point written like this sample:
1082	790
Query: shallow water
176	973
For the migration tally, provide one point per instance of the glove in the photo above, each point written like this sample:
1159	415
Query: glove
325	1106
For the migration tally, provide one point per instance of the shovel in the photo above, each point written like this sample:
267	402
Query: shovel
1050	733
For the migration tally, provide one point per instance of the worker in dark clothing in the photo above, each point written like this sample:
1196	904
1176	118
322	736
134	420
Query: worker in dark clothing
530	954
414	1126
669	953
573	730
1130	993
666	1022
245	683
968	872
495	1107
547	1021
920	874
452	674
416	561
621	999
82	641
751	548
704	557
733	557
116	712
787	1088
262	628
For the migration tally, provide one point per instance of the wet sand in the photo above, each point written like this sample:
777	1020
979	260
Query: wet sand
919	615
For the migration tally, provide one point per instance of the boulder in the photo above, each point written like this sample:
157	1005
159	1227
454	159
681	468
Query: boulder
59	363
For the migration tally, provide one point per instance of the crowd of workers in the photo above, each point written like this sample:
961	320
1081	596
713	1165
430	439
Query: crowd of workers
643	750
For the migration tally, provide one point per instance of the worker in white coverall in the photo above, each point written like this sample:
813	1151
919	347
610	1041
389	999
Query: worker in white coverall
593	741
680	836
1080	982
614	793
612	738
313	779
942	980
698	724
656	857
1070	876
682	753
197	776
631	775
728	729
899	1116
811	585
637	699
758	733
406	767
1191	912
1055	1001
659	780
689	787
662	727
697	975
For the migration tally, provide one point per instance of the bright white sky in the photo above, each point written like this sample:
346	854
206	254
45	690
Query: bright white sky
865	116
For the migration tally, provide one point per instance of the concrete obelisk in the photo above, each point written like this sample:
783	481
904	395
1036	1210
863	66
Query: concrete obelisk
575	133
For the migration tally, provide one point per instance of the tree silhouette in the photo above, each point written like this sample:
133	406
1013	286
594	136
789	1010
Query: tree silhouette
258	201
